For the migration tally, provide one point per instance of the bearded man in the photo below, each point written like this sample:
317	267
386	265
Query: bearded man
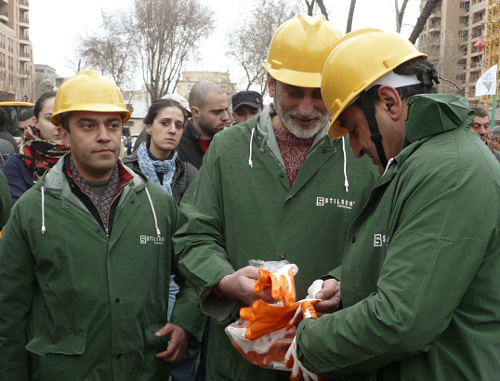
275	187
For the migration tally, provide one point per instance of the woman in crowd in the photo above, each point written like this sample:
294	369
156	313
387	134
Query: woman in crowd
157	159
42	149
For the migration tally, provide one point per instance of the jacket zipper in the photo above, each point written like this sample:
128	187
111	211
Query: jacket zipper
106	229
111	203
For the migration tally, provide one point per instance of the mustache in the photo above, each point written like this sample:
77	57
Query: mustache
314	116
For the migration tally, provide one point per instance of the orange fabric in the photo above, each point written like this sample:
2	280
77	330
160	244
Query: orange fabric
275	354
282	285
265	318
265	333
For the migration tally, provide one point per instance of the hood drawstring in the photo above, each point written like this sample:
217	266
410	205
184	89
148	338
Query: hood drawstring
43	209
158	233
346	181
250	162
391	160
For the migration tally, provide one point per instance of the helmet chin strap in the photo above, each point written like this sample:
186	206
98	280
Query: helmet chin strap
368	108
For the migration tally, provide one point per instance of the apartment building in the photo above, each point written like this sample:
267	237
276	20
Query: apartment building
452	39
16	53
46	79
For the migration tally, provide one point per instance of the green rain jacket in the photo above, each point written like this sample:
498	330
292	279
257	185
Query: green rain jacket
240	207
420	279
79	305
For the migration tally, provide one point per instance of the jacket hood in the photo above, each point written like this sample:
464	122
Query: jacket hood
432	114
55	178
55	183
265	127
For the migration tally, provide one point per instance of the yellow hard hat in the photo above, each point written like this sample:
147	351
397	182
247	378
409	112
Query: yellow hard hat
356	61
298	49
88	91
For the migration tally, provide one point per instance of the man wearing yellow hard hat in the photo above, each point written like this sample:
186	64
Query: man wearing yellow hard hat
274	187
420	278
86	258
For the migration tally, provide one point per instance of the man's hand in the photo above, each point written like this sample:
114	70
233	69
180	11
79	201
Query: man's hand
240	285
330	297
179	340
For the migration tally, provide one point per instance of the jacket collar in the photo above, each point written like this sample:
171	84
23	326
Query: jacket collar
192	131
432	114
448	112
264	126
55	181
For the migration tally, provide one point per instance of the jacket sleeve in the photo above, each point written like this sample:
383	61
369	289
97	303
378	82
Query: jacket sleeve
199	242
186	312
17	281
15	177
430	264
5	200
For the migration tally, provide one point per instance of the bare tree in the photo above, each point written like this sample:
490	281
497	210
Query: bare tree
109	50
165	32
422	19
400	12
249	41
321	6
350	16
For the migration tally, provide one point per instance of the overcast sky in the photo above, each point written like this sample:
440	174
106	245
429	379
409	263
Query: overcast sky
55	24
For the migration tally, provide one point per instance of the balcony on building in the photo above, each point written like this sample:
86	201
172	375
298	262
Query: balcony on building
478	32
24	4
25	57
24	74
4	16
24	39
476	63
435	14
479	18
435	26
24	21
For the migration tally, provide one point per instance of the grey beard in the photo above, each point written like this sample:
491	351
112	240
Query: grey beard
295	128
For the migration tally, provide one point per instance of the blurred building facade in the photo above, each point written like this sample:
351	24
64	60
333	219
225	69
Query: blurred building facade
454	38
189	78
16	53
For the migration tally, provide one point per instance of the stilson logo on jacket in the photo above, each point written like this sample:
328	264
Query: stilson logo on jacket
339	202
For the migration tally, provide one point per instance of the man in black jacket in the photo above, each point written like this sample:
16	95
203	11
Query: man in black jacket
209	106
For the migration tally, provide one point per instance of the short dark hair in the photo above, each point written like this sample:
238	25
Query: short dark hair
158	105
481	112
200	91
155	108
26	114
41	102
495	133
4	118
64	122
425	72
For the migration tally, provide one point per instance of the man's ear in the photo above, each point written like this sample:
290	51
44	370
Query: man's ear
195	112
271	85
392	102
64	136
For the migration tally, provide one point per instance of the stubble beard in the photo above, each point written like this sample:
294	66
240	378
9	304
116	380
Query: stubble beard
294	127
